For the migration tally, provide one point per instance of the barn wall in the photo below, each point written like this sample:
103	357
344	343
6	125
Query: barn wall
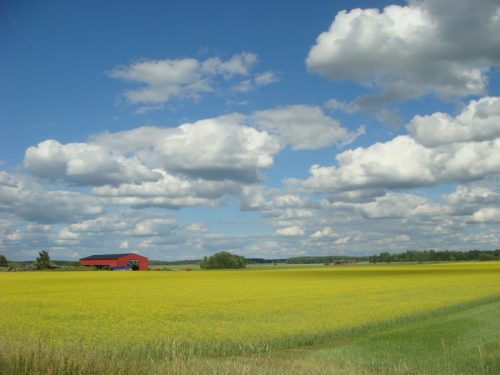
120	262
143	261
100	262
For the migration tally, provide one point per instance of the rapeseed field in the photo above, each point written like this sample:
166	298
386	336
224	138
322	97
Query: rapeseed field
225	312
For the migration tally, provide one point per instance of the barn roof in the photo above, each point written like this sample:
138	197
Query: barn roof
108	256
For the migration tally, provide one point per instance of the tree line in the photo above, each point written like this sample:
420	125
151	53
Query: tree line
436	256
324	259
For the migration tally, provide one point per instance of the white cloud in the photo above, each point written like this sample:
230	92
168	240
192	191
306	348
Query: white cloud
170	191
472	194
342	241
163	80
154	226
252	197
66	237
244	86
291	231
324	232
487	214
404	163
430	46
266	78
396	205
478	121
398	163
216	149
174	162
303	127
14	236
237	65
259	80
363	195
223	148
107	223
85	164
29	201
337	105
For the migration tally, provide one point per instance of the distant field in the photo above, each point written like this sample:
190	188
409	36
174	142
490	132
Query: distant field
83	317
196	266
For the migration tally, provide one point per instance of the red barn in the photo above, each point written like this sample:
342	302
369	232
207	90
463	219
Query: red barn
116	261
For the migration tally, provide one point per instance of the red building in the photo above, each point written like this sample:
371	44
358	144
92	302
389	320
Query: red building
116	261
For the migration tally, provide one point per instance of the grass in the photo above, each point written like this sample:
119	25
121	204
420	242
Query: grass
463	340
383	319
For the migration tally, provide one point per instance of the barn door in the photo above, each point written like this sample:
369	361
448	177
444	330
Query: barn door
134	264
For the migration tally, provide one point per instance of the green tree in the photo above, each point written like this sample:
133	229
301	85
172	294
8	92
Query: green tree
43	260
3	261
222	260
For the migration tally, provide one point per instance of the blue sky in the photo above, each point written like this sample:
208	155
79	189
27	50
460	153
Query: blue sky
271	129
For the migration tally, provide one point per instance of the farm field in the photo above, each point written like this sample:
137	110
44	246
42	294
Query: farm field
119	322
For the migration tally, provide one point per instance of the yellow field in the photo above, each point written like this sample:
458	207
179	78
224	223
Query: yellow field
217	312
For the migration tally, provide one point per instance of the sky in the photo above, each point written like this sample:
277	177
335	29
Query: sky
177	129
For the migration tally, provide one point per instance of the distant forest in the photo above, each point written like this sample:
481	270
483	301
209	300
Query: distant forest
432	255
407	256
383	257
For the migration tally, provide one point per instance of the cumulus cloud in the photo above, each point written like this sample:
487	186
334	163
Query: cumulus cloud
291	231
399	163
85	164
304	127
466	200
170	191
472	195
404	163
134	223
396	205
443	47
173	161
154	227
324	232
29	201
478	121
214	149
357	196
457	149
487	214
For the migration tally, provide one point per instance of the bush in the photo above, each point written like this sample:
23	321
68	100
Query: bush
223	260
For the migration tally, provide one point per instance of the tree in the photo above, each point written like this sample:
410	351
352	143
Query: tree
43	260
3	261
223	259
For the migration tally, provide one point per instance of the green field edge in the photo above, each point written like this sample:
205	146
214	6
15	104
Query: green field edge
341	356
332	338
